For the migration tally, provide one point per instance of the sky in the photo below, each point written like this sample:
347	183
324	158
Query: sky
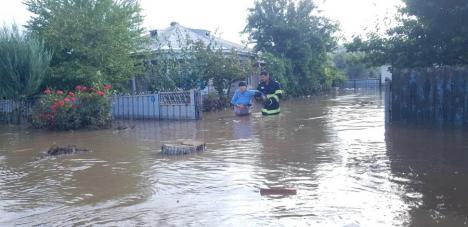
228	17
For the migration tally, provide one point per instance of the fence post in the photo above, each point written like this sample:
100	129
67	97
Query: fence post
159	105
199	105
388	101
193	103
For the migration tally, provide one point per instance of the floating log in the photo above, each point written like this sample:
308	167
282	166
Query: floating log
182	147
70	149
278	191
124	127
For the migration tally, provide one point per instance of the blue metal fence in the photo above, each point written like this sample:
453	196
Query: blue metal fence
361	83
181	105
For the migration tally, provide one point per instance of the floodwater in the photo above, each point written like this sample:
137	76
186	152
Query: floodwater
348	168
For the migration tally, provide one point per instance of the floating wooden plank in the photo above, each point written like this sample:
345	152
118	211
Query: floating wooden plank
182	147
278	191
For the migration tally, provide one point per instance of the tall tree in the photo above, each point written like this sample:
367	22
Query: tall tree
289	30
23	64
430	32
92	40
226	68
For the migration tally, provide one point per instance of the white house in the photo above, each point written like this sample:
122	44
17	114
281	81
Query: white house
176	36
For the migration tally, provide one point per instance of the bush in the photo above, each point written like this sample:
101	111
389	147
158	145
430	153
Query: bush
84	107
212	102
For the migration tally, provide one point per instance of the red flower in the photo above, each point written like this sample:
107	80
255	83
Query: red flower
47	91
73	99
78	88
66	99
53	107
84	88
60	103
59	92
107	86
71	94
100	93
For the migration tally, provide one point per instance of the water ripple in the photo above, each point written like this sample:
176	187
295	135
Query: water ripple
347	167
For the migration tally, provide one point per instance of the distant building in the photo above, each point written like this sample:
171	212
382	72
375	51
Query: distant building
175	36
385	73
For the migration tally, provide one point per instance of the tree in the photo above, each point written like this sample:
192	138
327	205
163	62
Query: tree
225	69
280	68
23	64
351	64
183	68
429	33
288	30
92	40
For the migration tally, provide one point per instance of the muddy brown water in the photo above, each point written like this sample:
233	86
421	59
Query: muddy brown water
348	168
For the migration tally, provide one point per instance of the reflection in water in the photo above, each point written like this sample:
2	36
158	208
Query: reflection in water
433	166
347	167
242	128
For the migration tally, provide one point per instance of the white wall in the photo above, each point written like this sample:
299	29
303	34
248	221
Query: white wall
385	73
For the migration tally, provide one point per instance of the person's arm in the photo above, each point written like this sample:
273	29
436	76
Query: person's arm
252	92
259	94
279	90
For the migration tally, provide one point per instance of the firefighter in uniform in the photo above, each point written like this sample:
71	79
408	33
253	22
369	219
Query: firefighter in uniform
270	92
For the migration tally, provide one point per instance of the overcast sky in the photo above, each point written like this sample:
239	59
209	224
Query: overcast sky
228	17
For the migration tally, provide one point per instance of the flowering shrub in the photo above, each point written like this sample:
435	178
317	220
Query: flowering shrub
83	107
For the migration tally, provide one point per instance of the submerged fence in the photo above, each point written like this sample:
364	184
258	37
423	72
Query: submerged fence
180	105
361	83
15	112
183	105
429	97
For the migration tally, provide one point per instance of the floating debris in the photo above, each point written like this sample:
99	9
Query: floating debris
59	151
124	127
70	149
182	147
278	191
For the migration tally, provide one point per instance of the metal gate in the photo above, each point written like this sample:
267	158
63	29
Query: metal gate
178	105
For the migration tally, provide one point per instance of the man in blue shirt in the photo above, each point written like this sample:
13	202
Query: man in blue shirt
242	99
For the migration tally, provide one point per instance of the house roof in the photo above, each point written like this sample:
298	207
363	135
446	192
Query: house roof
177	35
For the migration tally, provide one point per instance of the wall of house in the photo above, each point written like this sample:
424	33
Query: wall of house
385	73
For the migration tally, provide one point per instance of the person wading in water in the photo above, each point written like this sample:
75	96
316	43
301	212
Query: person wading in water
242	99
270	93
